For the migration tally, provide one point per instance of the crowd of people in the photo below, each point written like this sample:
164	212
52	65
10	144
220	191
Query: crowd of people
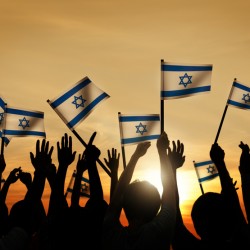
154	221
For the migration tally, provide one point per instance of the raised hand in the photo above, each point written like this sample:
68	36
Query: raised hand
81	164
113	160
65	154
142	148
14	175
42	159
162	142
244	158
176	154
217	154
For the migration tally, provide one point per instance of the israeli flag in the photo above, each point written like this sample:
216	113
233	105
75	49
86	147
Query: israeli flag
180	80
239	96
20	122
84	190
205	170
138	128
2	115
74	105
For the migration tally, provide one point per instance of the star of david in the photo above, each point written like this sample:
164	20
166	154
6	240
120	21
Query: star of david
141	128
24	123
79	101
246	98
211	169
1	118
185	80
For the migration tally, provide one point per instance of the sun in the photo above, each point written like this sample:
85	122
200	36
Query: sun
154	177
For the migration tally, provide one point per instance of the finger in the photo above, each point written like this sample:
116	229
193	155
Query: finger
109	155
46	147
70	142
174	146
37	145
51	151
66	140
43	146
91	139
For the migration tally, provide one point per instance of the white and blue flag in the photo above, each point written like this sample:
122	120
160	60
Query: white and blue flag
138	128
20	123
181	80
239	96
84	189
2	121
205	170
74	105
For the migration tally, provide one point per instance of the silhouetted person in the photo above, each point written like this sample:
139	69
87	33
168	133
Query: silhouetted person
113	164
217	217
86	222
151	218
244	169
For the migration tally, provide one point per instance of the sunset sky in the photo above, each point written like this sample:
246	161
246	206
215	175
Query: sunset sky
47	46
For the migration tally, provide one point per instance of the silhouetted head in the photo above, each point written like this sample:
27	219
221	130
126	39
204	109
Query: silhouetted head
141	201
212	217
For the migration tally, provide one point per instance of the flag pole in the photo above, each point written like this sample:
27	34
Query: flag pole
85	144
122	147
162	99
223	117
201	187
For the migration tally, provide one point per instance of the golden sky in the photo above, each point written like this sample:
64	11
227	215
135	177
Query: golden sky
47	46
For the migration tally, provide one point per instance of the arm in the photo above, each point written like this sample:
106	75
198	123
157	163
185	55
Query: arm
113	165
65	157
167	213
115	205
80	168
217	155
244	169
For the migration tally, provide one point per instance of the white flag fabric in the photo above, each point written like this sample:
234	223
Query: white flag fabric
181	80
20	122
84	191
205	170
239	96
138	128
74	105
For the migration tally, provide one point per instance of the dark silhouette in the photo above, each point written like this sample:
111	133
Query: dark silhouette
151	218
217	217
244	169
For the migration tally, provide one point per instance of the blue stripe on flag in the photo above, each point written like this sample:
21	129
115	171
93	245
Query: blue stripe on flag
185	68
69	93
138	118
238	104
16	132
203	163
2	104
139	139
24	113
240	86
173	93
83	178
208	177
84	112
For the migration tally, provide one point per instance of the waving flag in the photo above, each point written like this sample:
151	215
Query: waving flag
2	115
20	122
138	128
180	80
74	105
239	96
205	170
85	191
